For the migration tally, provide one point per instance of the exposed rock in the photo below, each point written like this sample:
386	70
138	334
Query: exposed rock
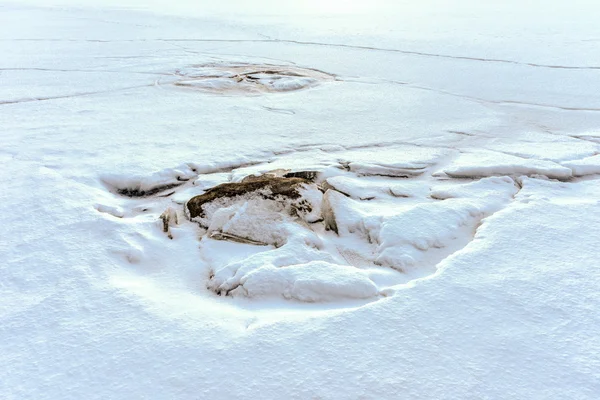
308	175
169	218
328	211
268	186
219	235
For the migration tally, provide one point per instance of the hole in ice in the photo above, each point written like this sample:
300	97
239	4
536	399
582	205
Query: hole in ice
249	78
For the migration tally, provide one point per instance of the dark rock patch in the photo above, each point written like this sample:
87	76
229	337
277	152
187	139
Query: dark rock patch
270	186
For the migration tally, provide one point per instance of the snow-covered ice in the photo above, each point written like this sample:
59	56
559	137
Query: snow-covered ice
586	166
472	164
443	246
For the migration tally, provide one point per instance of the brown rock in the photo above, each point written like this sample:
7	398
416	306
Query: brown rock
273	186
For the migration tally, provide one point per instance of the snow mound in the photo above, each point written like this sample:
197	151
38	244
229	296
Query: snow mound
286	227
297	251
311	282
250	78
415	237
474	164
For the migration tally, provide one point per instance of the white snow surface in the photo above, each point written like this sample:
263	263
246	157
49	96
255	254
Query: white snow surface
456	145
586	166
473	164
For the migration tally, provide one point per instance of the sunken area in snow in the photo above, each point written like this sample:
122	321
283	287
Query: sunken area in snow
439	238
231	79
355	230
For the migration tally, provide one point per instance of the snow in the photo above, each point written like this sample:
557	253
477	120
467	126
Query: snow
487	163
545	146
311	282
252	78
362	189
585	166
451	247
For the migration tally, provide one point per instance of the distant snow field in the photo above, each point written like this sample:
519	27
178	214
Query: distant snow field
317	200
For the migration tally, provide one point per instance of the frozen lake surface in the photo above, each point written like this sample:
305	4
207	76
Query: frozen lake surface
438	238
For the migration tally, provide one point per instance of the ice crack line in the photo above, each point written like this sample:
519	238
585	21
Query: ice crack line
390	50
85	70
66	96
487	101
339	45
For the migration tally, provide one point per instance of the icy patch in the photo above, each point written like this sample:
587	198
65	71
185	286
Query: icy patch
250	78
476	164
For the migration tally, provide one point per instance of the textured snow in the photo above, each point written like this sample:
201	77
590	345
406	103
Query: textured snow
311	282
545	146
488	163
372	189
456	143
407	237
585	166
251	78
